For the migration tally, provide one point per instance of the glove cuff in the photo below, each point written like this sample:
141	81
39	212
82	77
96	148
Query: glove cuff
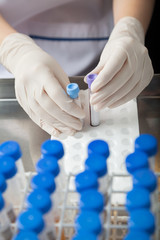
128	26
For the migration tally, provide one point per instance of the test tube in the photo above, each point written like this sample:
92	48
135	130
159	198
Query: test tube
142	220
12	149
99	146
40	200
137	235
86	180
138	197
85	236
135	161
88	221
148	144
13	193
5	226
26	235
97	163
73	91
31	220
94	116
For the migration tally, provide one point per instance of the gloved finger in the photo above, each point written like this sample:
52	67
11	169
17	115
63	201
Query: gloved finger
111	68
47	109
58	95
119	80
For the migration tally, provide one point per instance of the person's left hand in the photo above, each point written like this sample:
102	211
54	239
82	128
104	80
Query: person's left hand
124	69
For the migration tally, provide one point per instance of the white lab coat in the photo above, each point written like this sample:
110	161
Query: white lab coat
74	32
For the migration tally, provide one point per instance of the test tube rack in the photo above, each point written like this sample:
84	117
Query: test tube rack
116	217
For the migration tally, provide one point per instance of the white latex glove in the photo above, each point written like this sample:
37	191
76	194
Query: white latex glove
124	69
40	85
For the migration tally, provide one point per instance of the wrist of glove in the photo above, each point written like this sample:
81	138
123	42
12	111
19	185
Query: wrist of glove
40	85
124	69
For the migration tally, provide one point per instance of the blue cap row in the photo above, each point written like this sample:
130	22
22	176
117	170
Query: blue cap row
12	149
53	148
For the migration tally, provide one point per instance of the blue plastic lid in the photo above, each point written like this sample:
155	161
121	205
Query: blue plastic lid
99	146
136	161
48	164
96	163
145	178
1	202
91	199
26	235
3	184
7	167
44	181
142	220
88	221
39	199
138	198
147	143
137	235
84	235
73	90
31	220
86	180
52	147
91	78
12	149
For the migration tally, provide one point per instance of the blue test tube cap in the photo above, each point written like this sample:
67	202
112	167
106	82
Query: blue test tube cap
84	235
53	148
91	200
100	147
1	202
138	198
26	235
86	180
7	167
3	184
136	160
48	164
11	148
31	220
73	90
145	178
142	220
43	181
91	78
40	200
137	235
96	163
88	221
147	143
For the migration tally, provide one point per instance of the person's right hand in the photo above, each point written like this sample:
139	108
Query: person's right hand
40	85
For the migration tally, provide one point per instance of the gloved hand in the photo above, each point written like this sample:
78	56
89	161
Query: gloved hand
124	69
40	85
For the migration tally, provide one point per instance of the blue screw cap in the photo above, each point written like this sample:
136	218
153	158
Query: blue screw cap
48	164
142	220
85	236
137	235
136	161
138	198
88	221
7	167
40	200
100	147
26	235
86	180
53	148
43	181
96	163
3	184
11	148
92	200
72	90
145	178
1	202
147	143
91	78
31	220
